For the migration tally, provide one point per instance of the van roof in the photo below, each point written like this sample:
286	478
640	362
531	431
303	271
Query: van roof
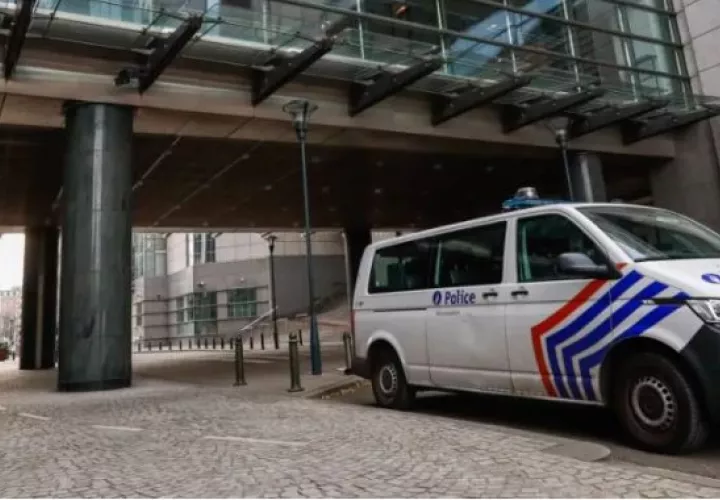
561	206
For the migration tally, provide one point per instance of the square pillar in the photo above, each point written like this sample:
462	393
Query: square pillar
586	178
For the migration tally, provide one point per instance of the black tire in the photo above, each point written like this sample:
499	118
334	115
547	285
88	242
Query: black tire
657	406
389	384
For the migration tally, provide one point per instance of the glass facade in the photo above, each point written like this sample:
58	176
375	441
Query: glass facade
630	47
149	255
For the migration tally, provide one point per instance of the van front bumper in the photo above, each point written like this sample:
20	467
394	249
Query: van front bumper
703	355
360	367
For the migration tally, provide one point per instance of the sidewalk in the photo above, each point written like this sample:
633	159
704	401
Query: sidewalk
183	430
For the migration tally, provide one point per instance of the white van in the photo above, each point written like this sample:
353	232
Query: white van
599	303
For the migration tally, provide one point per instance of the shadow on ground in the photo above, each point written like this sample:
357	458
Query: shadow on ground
565	420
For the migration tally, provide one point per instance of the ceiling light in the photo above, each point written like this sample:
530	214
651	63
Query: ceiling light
378	191
245	157
268	187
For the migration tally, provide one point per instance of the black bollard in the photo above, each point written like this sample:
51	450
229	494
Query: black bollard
222	342
294	364
252	342
213	342
197	343
139	346
169	344
239	364
160	344
300	336
347	346
180	344
262	340
206	343
231	343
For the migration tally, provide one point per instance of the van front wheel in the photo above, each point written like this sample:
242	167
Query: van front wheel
389	384
657	405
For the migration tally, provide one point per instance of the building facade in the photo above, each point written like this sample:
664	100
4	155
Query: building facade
192	284
10	314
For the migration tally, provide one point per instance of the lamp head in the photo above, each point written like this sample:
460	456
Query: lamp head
300	111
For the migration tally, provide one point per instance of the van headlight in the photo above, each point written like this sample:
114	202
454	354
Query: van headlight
707	309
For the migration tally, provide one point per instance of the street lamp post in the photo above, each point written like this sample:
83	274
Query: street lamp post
561	139
300	111
271	247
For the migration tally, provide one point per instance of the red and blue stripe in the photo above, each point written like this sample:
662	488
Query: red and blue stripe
546	338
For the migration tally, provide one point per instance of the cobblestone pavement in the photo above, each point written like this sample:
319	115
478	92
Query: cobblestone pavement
170	439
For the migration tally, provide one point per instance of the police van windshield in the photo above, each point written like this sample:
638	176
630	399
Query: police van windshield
655	234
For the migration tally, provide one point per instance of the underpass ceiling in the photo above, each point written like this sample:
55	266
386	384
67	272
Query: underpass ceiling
182	182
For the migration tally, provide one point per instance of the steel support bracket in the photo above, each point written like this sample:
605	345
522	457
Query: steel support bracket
265	82
162	55
16	38
586	124
637	130
445	107
386	84
516	116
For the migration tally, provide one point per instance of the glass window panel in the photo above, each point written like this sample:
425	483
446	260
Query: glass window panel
395	44
242	303
467	57
542	239
471	257
402	267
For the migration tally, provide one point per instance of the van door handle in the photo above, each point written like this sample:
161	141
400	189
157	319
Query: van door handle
491	293
518	293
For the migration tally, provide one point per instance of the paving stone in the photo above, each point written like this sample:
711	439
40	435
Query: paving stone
280	446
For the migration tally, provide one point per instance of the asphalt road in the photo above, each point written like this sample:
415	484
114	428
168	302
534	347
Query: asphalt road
570	421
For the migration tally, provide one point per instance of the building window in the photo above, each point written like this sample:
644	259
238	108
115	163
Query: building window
242	303
209	248
138	314
180	310
204	306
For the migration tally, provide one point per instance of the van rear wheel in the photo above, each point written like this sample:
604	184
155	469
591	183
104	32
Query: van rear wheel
657	405
389	385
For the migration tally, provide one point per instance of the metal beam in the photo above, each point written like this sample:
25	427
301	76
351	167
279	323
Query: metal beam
445	107
164	52
267	82
637	130
363	96
16	38
516	116
588	123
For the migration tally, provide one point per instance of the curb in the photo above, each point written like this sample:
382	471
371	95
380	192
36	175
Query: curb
327	391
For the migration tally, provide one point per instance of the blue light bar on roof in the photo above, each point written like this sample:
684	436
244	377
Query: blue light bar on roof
518	203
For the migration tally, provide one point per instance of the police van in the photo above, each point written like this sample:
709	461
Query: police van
598	303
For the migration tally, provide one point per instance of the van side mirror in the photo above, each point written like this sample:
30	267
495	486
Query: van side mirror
582	266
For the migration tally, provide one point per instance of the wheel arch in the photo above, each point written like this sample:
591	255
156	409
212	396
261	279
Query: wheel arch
625	349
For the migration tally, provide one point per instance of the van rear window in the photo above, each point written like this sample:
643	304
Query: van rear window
401	268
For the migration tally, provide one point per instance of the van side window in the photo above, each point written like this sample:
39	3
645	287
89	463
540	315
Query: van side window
471	257
401	267
541	239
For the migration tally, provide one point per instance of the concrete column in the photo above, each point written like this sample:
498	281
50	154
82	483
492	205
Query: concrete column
95	311
356	239
690	184
39	299
586	177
